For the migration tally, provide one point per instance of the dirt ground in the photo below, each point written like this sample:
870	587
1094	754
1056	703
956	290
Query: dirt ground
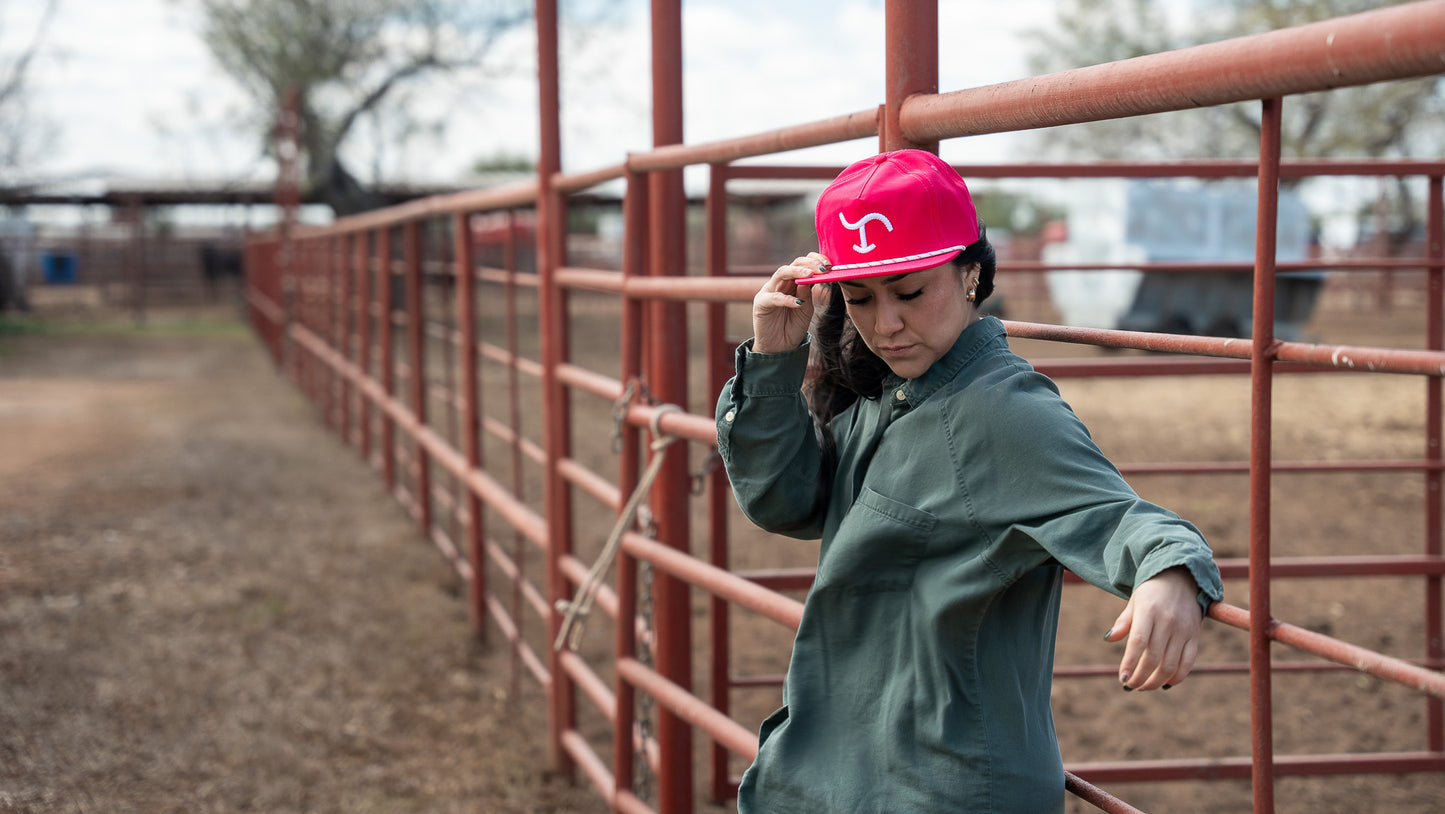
209	603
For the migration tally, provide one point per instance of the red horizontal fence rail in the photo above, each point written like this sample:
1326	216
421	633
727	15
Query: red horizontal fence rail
391	321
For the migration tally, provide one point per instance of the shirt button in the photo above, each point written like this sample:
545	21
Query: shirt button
731	414
899	395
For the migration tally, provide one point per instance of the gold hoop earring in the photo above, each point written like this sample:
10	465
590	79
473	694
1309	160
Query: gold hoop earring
972	294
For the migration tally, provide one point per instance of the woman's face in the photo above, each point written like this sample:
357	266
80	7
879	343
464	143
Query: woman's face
911	320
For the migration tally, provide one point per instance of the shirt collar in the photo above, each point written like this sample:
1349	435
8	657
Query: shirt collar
974	339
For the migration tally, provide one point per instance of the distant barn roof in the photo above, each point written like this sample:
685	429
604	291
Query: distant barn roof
131	192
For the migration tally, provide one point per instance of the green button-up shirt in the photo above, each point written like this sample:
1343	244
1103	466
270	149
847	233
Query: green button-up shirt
920	675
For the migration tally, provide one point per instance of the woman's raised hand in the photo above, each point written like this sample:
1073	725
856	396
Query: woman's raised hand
782	311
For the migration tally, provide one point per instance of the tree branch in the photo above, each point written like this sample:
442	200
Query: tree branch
16	80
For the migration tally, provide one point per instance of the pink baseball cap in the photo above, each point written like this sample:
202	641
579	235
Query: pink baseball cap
893	213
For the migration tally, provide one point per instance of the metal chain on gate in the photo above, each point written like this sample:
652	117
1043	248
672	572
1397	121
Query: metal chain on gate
619	415
712	463
576	611
641	767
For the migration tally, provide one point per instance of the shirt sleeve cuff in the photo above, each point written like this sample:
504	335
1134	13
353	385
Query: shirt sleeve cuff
771	374
1200	567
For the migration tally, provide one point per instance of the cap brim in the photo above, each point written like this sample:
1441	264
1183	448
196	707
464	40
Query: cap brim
880	269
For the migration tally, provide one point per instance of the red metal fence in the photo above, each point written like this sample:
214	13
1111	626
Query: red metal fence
456	345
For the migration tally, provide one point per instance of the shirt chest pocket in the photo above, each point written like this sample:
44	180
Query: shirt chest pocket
877	547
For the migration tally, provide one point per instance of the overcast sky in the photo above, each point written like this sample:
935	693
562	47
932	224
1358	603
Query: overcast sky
130	89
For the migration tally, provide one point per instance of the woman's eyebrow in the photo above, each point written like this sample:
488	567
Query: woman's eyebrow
886	280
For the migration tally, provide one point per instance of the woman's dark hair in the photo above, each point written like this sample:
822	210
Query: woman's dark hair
843	366
844	369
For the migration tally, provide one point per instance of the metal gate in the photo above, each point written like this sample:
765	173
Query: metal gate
454	342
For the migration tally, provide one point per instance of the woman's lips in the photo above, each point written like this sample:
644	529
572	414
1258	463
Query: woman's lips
894	350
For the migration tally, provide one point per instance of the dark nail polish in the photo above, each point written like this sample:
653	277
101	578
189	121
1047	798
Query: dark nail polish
1108	633
1167	686
1127	688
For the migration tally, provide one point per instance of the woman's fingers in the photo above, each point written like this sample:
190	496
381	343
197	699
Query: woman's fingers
781	312
786	277
777	299
1162	623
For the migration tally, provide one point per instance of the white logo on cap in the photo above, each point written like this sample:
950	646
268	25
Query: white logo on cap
860	227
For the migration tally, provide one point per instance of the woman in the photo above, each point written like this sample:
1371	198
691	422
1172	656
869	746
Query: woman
951	486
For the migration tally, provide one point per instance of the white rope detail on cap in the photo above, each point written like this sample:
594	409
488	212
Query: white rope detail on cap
891	261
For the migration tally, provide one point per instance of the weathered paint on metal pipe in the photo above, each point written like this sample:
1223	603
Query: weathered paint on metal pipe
689	708
634	259
385	280
1201	168
1095	796
719	495
471	441
580	756
341	314
555	413
1261	419
861	124
781	609
395	412
1180	168
416	360
1434	437
523	193
1399	42
361	269
1238	768
516	443
666	376
674	289
1358	658
910	38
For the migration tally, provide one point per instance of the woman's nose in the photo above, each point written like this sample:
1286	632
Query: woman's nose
887	320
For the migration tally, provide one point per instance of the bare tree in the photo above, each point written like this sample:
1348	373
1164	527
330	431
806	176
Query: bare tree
17	126
347	60
1380	120
19	131
1393	118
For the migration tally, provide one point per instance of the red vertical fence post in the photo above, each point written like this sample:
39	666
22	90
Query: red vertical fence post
346	282
305	272
626	740
555	412
325	328
667	379
319	280
416	359
362	270
471	440
1435	313
295	279
911	44
305	308
1261	461
318	323
718	494
514	415
336	327
387	319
